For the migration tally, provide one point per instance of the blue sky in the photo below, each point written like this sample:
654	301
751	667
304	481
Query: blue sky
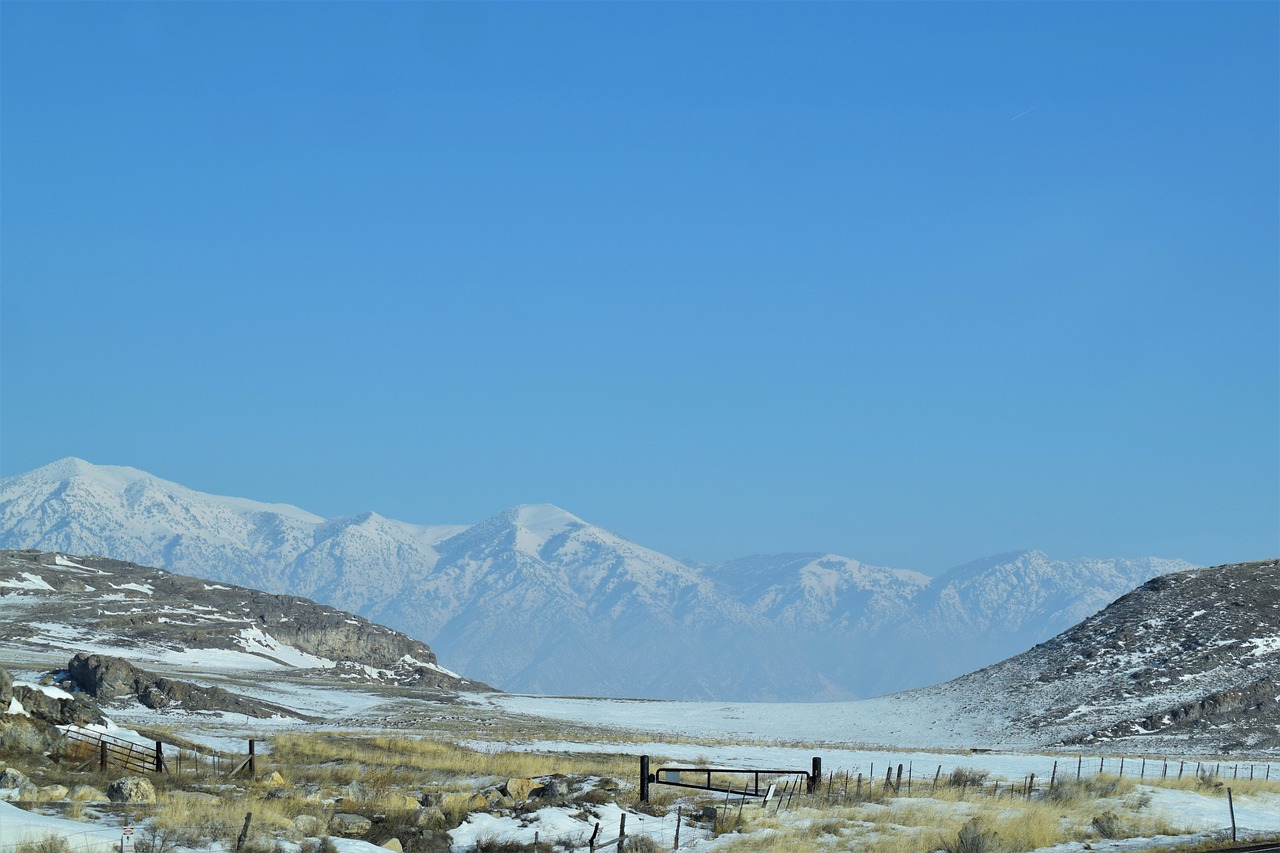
913	283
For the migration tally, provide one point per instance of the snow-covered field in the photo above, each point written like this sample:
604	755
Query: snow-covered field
858	737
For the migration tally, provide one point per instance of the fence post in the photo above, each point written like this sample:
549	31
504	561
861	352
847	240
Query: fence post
1231	807
253	761
1054	778
935	777
591	844
102	756
816	775
679	813
622	832
244	833
644	778
159	758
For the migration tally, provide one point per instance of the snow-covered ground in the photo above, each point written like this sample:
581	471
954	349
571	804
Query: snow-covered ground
718	734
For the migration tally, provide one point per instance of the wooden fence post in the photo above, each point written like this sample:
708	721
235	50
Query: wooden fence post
622	831
644	778
253	761
679	813
815	776
244	833
1231	807
935	777
159	758
102	756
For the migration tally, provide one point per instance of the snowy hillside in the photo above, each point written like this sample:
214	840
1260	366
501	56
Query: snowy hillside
1187	657
53	606
516	599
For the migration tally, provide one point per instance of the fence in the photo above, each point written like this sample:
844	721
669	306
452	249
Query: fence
674	776
89	745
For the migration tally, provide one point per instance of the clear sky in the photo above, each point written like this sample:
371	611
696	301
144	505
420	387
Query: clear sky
912	283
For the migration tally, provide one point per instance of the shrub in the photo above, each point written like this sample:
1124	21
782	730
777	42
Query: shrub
972	838
1108	825
48	844
965	776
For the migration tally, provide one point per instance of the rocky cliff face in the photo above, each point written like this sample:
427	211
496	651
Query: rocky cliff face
110	679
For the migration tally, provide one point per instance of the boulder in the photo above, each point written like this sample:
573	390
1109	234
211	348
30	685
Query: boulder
308	824
463	803
52	793
26	792
553	788
26	735
76	710
520	789
86	794
16	787
6	689
12	778
394	845
496	799
349	825
131	789
429	817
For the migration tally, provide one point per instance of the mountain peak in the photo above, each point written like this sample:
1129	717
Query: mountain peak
542	520
73	466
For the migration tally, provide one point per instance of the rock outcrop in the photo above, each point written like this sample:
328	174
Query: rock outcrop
159	613
111	679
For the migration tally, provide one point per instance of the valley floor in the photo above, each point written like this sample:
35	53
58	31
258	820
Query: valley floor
852	739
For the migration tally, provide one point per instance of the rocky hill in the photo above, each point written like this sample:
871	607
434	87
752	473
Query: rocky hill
537	599
1187	661
97	605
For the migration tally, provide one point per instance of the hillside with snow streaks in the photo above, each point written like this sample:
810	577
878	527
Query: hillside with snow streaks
1187	658
517	600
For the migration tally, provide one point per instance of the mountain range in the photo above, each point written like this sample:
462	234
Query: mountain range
535	599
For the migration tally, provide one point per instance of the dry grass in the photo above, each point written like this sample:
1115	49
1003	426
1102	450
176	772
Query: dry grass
383	763
220	819
961	818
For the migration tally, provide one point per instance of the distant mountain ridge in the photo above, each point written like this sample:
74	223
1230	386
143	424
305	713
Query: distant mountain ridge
536	599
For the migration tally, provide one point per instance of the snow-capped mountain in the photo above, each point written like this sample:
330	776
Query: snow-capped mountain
536	599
